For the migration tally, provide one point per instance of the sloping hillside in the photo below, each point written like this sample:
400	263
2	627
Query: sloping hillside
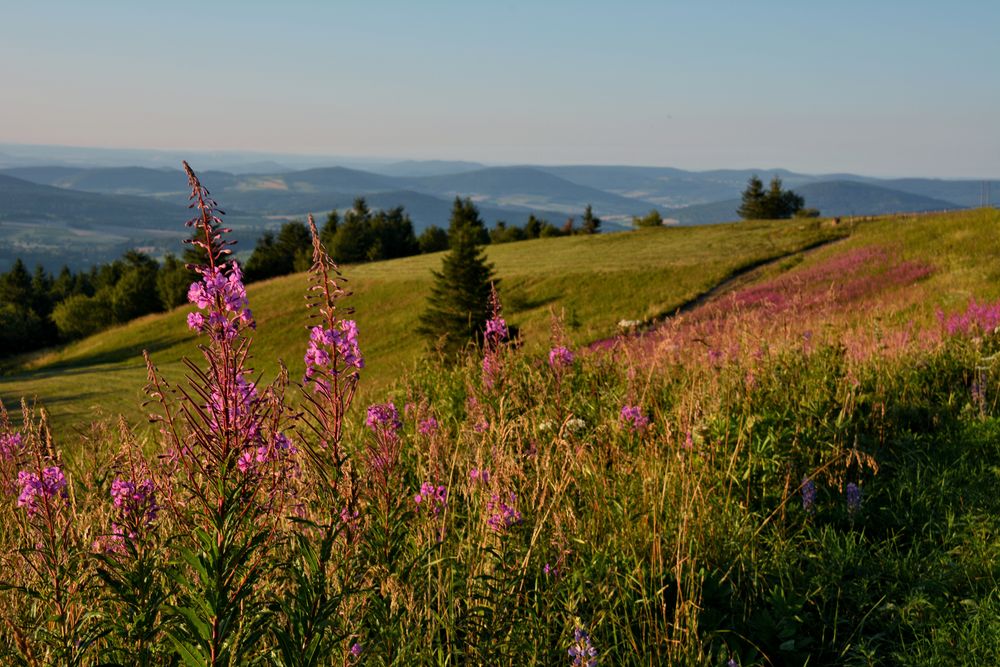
595	280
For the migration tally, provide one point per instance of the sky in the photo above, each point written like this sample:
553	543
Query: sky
883	88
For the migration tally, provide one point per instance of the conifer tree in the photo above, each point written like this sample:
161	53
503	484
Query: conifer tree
460	298
752	206
590	224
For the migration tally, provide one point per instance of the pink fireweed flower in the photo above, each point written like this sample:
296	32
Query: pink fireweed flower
631	417
383	417
496	329
978	318
332	351
560	357
135	499
431	498
35	489
254	457
136	509
196	321
225	299
427	426
10	445
482	476
503	515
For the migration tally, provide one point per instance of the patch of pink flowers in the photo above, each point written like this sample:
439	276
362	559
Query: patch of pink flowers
503	512
10	445
427	426
560	357
36	489
431	498
978	319
632	418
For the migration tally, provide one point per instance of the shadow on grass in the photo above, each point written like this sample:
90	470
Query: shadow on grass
115	355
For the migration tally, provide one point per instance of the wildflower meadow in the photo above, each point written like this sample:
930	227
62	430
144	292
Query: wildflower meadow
802	471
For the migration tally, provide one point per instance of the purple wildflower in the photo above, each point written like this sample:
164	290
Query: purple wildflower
808	495
253	457
631	417
196	321
582	651
10	445
133	499
503	515
35	489
432	498
332	351
383	417
427	426
560	357
853	493
480	475
225	299
496	329
356	650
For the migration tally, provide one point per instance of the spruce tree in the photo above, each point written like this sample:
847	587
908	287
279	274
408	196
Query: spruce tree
753	200
460	298
590	224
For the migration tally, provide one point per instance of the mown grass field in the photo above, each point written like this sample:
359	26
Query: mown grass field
594	280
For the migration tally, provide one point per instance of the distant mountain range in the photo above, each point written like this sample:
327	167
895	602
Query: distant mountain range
122	205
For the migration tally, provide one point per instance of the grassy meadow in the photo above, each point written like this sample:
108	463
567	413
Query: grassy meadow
595	280
799	469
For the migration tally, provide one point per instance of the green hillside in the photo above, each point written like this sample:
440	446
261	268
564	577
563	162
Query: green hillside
596	280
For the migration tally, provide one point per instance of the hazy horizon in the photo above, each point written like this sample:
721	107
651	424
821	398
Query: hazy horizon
894	90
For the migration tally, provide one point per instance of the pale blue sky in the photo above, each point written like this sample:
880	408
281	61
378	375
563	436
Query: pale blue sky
881	88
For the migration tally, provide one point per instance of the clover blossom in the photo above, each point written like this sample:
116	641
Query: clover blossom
35	489
582	650
503	515
560	357
631	417
431	498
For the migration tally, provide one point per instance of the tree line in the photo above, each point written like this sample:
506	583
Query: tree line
363	235
41	309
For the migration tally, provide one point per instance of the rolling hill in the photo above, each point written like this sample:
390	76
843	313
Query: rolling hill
595	280
832	198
